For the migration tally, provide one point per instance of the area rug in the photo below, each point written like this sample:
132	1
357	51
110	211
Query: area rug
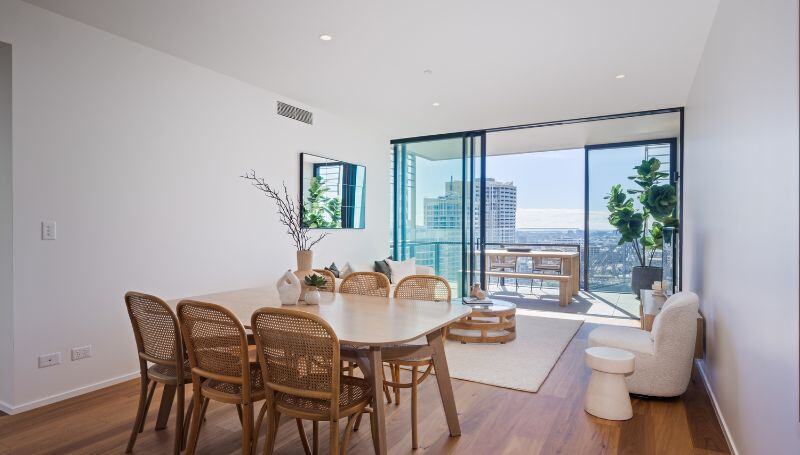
521	364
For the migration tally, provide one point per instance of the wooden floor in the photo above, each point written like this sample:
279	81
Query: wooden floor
493	421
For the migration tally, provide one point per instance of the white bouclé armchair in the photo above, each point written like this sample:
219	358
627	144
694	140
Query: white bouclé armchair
664	356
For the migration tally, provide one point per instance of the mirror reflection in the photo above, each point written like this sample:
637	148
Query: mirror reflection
333	193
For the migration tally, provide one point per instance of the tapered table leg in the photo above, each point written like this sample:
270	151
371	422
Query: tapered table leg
376	380
443	379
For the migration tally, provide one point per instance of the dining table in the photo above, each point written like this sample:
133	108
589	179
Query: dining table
570	261
372	324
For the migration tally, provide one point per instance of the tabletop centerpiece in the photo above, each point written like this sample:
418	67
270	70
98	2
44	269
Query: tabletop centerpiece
290	215
314	282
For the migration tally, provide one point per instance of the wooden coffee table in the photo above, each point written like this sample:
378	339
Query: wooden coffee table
490	323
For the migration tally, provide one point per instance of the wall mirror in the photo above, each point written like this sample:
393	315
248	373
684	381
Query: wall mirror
333	193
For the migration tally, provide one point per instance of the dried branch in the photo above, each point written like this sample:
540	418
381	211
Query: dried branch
289	212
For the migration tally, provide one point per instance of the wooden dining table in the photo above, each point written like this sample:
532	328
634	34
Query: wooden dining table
570	261
372	323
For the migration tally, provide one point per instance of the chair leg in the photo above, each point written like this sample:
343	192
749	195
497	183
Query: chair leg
396	379
257	428
303	439
386	393
167	397
348	430
137	424
239	411
187	422
358	421
414	391
247	428
315	435
273	418
181	392
198	412
334	437
147	404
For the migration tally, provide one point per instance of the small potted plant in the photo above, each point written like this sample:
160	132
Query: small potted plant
314	282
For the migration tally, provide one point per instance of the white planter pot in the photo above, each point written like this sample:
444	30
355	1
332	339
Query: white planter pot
312	297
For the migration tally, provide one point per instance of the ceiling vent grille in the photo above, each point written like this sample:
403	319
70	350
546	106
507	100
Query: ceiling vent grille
301	115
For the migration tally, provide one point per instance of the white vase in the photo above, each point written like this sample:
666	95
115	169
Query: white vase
289	288
312	297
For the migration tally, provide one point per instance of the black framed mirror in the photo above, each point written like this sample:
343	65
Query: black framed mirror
333	193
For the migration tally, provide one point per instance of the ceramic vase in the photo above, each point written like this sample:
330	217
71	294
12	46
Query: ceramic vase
304	268
312	297
289	288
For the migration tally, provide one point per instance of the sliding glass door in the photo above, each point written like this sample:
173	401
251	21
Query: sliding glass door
609	263
437	206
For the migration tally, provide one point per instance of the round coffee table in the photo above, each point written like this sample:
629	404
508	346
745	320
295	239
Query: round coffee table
490	323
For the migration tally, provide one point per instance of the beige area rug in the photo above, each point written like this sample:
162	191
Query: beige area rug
522	364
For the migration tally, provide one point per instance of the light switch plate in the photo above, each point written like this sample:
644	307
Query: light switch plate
48	230
48	360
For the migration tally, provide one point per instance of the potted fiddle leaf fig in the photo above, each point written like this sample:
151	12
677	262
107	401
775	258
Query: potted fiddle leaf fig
642	225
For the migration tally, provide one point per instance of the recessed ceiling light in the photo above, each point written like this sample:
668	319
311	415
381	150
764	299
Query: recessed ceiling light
436	104
325	37
620	76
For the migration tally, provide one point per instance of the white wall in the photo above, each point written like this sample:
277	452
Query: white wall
6	263
741	219
136	155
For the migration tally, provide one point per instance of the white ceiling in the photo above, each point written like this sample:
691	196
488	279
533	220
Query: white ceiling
560	137
493	63
578	135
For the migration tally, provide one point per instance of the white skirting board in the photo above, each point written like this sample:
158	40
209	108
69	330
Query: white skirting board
702	369
8	409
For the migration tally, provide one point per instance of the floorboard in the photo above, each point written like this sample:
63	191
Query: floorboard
493	420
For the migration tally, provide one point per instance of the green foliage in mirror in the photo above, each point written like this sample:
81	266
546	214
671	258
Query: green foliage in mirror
320	210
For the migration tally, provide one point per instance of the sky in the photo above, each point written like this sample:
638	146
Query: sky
550	185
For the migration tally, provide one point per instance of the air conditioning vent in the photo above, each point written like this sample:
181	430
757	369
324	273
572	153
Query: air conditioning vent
301	115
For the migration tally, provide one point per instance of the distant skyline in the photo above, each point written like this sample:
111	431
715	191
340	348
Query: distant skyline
550	185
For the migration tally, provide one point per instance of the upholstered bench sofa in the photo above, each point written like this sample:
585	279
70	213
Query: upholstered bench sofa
355	267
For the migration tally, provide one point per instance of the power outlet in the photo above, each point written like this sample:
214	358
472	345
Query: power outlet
81	353
49	360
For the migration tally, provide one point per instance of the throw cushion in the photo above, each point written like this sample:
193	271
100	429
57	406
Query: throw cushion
333	269
351	267
402	269
383	267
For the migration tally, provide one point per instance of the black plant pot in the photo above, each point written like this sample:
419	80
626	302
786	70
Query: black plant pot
644	277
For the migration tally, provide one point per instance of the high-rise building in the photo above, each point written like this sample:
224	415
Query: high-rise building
501	212
443	215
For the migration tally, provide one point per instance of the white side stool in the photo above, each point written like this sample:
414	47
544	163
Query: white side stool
607	395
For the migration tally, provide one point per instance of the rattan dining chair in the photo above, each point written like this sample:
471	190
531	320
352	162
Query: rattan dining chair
365	283
504	264
330	280
299	357
158	341
416	287
216	344
551	266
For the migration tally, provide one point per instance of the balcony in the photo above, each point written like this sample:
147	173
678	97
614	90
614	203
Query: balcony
609	271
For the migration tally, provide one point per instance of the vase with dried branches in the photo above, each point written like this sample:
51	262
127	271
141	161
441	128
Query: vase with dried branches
289	215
